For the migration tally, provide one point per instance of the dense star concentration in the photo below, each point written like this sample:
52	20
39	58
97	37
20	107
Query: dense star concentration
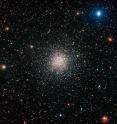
58	62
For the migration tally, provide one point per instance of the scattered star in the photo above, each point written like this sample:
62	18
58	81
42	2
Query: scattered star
99	86
7	28
2	67
110	39
59	115
25	122
105	119
31	46
78	13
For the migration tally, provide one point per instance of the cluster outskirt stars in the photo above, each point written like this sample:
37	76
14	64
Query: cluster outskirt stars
58	62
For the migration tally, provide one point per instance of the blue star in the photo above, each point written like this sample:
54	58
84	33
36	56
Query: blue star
98	13
59	115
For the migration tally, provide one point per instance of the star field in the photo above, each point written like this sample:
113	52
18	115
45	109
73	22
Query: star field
58	62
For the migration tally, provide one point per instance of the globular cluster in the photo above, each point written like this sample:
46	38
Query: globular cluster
58	62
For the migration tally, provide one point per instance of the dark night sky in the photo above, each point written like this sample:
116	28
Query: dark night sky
58	62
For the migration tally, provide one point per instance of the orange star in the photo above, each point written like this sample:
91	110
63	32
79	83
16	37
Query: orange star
105	119
110	39
2	67
7	28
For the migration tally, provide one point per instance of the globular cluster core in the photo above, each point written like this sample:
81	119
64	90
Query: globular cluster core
59	62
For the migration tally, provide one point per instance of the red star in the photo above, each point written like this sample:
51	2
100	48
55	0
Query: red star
110	39
105	119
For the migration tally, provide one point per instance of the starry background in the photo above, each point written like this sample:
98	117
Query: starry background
30	33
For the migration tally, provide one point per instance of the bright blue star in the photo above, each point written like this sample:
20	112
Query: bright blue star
98	13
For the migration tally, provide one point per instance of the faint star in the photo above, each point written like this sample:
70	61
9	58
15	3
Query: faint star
7	28
99	86
110	67
68	104
60	115
81	109
31	46
77	13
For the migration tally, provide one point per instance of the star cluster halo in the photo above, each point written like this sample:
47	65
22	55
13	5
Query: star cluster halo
58	62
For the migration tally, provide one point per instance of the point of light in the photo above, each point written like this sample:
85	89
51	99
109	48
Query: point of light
98	13
7	28
78	13
2	67
60	115
105	119
110	39
31	46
